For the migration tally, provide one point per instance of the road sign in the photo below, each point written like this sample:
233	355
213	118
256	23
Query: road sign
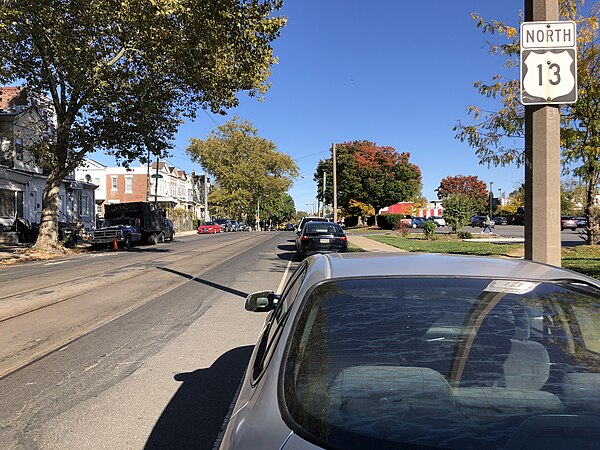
156	175
548	63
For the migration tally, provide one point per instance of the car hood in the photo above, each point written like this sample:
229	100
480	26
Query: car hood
295	442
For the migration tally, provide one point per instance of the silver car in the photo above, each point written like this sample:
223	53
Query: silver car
415	350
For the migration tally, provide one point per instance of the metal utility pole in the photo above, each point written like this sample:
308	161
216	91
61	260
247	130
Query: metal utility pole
335	218
324	184
542	164
156	184
205	198
148	176
491	199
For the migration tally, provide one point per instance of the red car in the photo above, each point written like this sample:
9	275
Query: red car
209	228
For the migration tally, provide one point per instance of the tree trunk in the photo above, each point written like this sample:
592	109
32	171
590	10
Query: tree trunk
48	237
592	230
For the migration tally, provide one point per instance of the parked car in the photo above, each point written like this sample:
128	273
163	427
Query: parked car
235	226
500	221
479	221
418	222
309	219
321	237
168	231
243	226
567	223
581	222
209	228
289	227
439	221
225	224
387	351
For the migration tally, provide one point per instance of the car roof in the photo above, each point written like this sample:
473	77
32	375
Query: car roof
361	265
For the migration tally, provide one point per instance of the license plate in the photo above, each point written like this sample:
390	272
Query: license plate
324	241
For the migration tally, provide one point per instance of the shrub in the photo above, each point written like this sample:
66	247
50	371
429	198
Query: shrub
389	221
429	230
465	235
371	221
351	221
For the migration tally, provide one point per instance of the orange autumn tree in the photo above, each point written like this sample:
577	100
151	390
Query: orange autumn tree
469	185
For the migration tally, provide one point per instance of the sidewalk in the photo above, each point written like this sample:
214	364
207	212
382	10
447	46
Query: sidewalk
369	245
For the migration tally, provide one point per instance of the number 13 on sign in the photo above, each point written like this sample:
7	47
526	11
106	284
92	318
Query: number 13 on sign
548	76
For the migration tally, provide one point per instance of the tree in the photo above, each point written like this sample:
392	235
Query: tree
246	168
514	203
122	73
458	209
497	136
367	173
469	185
278	208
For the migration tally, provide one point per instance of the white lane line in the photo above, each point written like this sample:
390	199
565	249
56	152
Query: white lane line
284	278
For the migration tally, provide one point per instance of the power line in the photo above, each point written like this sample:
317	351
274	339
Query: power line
211	117
312	154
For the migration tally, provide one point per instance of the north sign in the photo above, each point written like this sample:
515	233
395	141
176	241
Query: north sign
548	63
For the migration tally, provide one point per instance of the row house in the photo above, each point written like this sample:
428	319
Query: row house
23	124
159	182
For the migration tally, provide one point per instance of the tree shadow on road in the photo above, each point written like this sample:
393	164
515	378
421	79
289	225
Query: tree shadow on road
194	416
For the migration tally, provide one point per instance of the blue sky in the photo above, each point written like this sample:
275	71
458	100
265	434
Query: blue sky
394	72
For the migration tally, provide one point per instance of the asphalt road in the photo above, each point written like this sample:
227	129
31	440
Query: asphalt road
158	372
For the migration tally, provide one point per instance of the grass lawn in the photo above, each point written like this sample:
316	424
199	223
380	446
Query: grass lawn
354	248
582	258
450	244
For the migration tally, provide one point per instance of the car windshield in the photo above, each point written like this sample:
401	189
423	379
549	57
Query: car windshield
452	363
313	228
118	221
207	224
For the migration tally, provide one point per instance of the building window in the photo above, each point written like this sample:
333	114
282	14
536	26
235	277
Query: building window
129	184
8	205
113	183
19	149
85	205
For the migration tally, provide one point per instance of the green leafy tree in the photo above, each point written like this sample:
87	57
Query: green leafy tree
497	135
247	169
121	74
572	197
458	209
278	208
368	173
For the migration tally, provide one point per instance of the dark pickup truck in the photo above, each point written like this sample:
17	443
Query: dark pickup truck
127	224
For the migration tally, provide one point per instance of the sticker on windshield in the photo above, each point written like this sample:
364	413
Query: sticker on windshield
511	287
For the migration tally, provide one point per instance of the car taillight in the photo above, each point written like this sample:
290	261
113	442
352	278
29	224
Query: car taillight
343	238
304	238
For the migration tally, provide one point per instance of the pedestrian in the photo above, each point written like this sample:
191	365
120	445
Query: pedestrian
487	225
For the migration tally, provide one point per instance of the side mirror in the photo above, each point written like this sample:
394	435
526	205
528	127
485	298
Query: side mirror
263	301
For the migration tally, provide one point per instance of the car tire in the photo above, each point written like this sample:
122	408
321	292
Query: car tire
161	238
172	237
127	243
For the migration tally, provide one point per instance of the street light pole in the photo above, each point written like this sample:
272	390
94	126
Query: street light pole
334	183
324	184
491	198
